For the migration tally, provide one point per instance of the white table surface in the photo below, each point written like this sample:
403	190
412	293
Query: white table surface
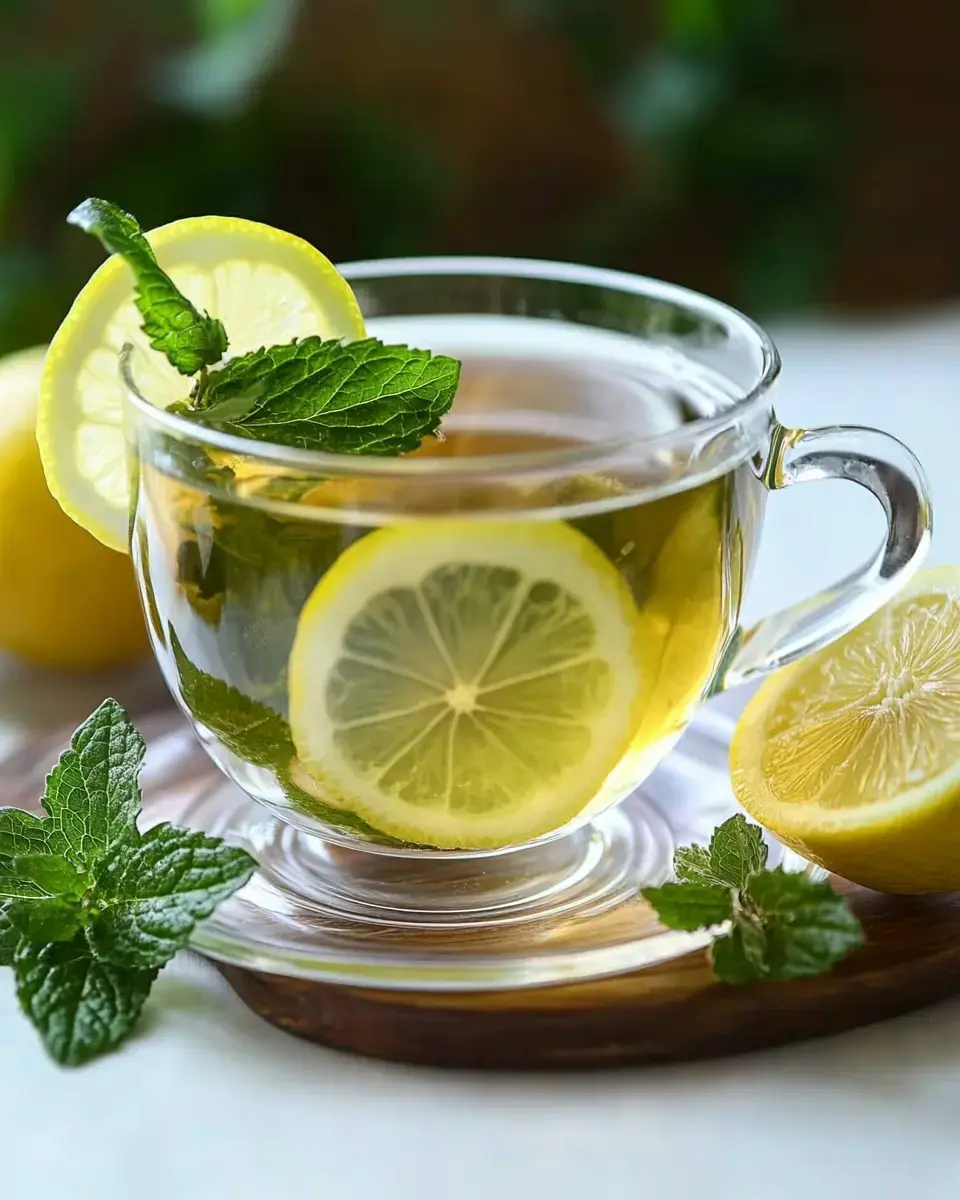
210	1102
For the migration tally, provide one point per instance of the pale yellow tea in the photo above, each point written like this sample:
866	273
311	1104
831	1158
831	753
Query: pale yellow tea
480	669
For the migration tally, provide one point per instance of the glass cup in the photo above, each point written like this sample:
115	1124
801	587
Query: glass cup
444	669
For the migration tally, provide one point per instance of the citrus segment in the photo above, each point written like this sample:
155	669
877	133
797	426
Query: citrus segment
468	684
266	286
851	756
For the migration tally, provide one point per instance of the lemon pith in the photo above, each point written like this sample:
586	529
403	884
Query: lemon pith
265	285
467	684
850	756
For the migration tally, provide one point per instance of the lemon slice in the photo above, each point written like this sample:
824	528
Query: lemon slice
464	684
266	286
852	756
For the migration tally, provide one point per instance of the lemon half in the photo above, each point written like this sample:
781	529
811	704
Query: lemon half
266	287
65	600
852	756
468	684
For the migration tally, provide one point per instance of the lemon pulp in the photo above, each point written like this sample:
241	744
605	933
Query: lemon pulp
265	285
851	755
467	684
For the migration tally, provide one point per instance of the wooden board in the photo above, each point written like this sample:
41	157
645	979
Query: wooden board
668	1013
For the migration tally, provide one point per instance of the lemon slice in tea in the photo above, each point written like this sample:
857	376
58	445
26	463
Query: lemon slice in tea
266	286
468	685
851	755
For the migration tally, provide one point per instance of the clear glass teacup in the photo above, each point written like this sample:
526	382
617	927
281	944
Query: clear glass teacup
440	676
483	645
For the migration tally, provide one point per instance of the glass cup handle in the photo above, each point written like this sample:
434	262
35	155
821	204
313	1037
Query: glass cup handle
885	467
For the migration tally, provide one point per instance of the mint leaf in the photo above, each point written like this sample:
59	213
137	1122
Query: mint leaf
253	731
52	872
12	887
690	905
781	925
154	893
190	339
342	397
21	833
92	794
691	864
80	1005
738	956
50	919
89	908
247	728
808	927
737	851
9	936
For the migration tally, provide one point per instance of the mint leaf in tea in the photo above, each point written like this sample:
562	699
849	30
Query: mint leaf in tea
341	397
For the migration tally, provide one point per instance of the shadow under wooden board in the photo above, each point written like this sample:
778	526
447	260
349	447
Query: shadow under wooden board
672	1012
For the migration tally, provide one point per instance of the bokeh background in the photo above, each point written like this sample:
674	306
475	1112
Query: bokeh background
784	155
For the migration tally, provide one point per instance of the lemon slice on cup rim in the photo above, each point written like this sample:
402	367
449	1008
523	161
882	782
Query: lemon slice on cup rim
266	286
469	685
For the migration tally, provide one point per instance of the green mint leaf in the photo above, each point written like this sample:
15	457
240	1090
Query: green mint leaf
808	926
152	894
10	936
80	1005
92	794
22	833
52	872
738	957
247	728
254	731
782	925
190	339
691	864
50	919
343	397
690	905
13	887
737	851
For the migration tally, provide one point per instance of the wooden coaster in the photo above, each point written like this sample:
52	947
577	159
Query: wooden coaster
668	1013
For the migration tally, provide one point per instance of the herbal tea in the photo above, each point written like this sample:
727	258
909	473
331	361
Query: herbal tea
461	669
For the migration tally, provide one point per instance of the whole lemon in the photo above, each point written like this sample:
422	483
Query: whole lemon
65	600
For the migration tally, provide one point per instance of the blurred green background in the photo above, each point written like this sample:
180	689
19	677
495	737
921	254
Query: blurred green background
780	155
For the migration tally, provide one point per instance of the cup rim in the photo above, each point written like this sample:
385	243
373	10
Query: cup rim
462	466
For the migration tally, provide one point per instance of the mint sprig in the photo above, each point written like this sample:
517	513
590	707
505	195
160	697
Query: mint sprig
773	925
360	397
191	340
90	908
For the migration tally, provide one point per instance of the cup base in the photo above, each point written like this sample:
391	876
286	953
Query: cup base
564	910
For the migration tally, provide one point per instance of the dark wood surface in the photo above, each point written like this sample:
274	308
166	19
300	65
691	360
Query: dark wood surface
669	1013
